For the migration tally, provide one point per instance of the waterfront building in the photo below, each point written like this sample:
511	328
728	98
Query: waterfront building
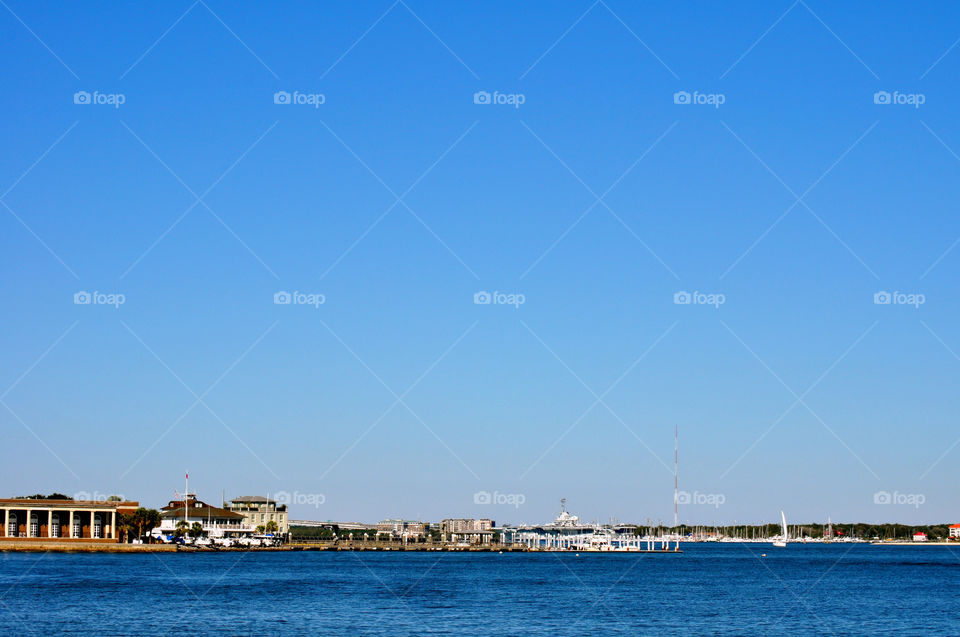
955	530
334	526
467	530
565	530
402	529
257	510
920	537
216	522
43	519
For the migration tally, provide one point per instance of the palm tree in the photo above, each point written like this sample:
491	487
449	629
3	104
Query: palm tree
125	525
181	529
196	530
270	527
145	520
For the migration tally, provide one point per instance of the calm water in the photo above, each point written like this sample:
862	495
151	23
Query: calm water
709	589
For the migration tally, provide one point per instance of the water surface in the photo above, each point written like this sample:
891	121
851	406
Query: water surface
725	589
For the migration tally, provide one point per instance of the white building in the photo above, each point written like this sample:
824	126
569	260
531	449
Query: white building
216	522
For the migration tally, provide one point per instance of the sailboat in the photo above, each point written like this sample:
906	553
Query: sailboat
782	540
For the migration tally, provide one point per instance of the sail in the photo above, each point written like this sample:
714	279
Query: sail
783	517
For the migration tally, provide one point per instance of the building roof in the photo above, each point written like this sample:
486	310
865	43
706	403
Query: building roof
955	526
202	512
253	498
196	509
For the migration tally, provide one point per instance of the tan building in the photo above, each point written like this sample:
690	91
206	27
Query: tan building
258	510
402	529
467	530
62	519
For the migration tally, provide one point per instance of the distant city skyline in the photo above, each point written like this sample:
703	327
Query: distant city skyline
431	260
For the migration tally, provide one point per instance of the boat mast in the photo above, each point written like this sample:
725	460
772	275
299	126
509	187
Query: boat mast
676	472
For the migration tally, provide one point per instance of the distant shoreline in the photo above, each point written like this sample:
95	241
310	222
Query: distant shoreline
911	543
15	546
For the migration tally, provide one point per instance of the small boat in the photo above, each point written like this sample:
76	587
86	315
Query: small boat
781	541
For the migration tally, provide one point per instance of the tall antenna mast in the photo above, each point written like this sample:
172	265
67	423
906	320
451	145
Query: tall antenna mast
676	473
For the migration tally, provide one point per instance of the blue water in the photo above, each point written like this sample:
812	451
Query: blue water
709	589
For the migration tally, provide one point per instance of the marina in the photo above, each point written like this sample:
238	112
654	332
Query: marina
567	533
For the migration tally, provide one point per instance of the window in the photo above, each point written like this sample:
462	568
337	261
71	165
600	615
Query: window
55	529
34	526
97	526
12	525
76	526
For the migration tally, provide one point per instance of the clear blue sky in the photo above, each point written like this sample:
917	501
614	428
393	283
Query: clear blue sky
798	199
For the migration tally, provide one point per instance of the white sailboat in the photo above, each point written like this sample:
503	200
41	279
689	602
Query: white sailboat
782	540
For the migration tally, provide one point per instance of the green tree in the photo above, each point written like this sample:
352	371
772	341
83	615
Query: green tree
181	529
196	530
40	496
125	526
145	520
271	527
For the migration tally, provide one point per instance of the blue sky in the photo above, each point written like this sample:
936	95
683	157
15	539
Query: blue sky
789	206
